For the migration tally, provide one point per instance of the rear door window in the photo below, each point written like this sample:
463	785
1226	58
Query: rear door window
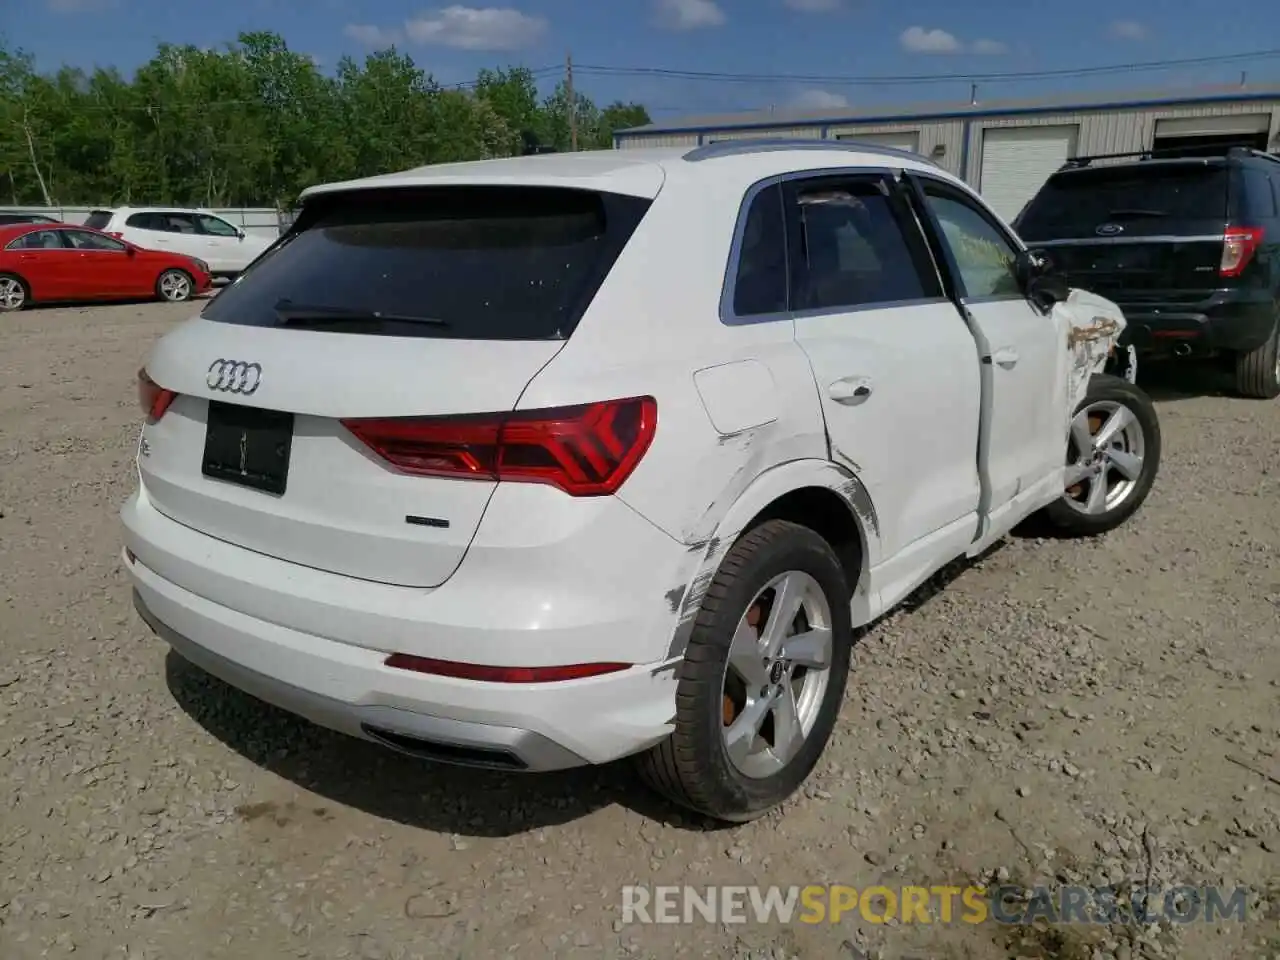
38	240
1145	199
472	262
853	250
98	219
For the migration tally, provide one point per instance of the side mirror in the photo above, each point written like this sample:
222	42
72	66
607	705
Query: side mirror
240	234
130	251
1040	280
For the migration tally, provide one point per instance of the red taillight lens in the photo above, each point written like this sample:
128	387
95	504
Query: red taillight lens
586	451
471	671
116	233
1238	247
153	398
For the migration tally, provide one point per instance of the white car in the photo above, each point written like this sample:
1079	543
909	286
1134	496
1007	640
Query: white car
540	462
226	248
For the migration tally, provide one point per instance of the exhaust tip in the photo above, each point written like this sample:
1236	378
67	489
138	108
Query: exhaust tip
1182	349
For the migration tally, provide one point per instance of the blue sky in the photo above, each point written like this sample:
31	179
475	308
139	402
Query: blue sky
823	38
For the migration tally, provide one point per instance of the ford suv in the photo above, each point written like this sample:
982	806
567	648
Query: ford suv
1189	247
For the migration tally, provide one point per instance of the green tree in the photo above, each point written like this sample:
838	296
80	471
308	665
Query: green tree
255	123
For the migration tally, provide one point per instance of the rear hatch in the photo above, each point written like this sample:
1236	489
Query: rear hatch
422	307
1150	231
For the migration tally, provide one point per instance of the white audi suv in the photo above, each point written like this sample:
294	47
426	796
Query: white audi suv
550	461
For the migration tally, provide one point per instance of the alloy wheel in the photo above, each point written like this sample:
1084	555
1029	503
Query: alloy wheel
1105	457
776	674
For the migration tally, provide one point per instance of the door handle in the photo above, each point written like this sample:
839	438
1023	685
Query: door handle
850	390
1006	357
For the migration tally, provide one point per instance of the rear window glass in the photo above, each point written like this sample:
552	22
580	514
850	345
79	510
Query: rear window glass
475	262
1139	198
98	219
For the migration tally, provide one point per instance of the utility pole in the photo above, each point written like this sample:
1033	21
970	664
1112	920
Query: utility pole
573	101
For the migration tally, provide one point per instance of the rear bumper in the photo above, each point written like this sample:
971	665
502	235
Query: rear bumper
1222	323
193	591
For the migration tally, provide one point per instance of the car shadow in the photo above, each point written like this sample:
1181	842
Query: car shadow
1172	380
418	793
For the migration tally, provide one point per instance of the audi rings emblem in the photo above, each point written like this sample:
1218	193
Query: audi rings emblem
234	376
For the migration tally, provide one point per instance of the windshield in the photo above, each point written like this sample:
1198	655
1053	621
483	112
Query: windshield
481	262
1141	199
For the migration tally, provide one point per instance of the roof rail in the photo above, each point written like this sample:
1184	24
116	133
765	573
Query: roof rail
737	148
1168	153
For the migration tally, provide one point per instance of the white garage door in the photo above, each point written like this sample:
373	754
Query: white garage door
898	141
1016	161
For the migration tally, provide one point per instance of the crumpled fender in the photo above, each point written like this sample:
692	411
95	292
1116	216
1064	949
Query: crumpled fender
1092	326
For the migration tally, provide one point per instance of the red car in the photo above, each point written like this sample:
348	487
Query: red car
44	263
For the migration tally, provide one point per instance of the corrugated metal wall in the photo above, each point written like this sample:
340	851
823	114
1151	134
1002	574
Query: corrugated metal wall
259	221
1100	131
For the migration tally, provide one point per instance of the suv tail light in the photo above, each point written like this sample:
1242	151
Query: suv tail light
1238	247
153	398
586	451
115	233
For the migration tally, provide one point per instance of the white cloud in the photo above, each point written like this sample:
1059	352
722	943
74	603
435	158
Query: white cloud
819	100
814	6
476	28
370	36
989	47
1128	30
921	40
689	14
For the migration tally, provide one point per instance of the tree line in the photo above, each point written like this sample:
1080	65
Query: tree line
256	123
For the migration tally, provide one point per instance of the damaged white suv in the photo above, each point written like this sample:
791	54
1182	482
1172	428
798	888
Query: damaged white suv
549	461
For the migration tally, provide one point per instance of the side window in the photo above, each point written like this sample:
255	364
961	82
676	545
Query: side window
760	286
84	240
983	254
39	240
176	223
216	227
853	250
139	221
1258	188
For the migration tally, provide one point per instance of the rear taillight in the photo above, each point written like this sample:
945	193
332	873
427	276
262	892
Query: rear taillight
115	233
483	674
586	451
153	398
1238	247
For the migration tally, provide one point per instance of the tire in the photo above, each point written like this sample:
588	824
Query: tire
175	286
1258	371
695	766
14	293
1126	468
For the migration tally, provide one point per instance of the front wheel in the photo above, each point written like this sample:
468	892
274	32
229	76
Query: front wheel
1113	455
762	679
175	286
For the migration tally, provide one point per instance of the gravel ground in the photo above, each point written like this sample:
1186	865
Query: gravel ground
1057	712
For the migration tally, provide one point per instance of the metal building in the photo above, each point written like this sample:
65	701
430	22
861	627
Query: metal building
1007	149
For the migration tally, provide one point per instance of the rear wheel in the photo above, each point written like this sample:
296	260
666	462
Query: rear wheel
1258	371
175	286
13	293
1113	454
762	679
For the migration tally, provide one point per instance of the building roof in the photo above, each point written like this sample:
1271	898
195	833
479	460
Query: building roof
1062	103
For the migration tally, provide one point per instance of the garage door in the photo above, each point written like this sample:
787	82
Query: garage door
1016	161
898	141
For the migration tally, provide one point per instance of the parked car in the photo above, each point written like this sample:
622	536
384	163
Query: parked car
62	263
194	233
523	464
9	219
1189	247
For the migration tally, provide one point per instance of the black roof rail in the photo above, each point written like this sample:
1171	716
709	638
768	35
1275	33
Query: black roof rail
1169	153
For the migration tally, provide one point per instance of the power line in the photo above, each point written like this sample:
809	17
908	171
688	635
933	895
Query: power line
902	79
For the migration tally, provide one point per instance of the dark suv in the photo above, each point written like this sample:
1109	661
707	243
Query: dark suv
1189	247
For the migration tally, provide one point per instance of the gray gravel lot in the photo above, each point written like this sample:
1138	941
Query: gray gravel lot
1058	712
